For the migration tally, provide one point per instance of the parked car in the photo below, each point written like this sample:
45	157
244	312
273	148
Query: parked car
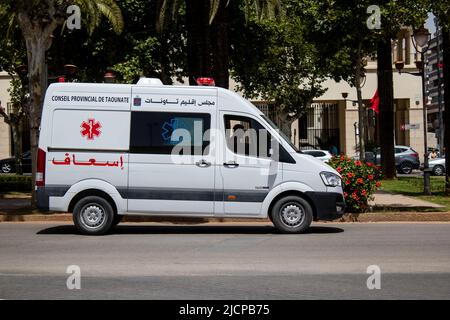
437	166
323	155
406	159
8	165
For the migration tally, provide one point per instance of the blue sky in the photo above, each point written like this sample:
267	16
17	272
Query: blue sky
430	23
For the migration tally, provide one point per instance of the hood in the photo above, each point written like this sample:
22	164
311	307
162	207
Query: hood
437	161
315	163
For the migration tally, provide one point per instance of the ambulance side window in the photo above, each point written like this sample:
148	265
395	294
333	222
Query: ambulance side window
247	136
160	132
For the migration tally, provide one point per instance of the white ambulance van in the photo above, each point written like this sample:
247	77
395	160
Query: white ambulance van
110	150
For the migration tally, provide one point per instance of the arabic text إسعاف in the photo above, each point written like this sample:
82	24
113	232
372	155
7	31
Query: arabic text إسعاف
90	162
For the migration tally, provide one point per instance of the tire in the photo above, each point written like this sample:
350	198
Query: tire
292	214
93	215
405	167
6	168
438	170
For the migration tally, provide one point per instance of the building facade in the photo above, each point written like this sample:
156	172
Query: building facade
5	130
332	119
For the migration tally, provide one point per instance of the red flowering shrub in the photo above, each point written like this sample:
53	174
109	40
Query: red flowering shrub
360	181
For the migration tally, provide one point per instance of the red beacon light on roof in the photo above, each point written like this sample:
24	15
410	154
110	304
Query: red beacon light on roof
205	82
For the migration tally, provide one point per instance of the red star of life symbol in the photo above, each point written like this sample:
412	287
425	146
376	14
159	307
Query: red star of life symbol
90	129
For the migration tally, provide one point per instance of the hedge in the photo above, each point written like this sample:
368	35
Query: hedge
10	183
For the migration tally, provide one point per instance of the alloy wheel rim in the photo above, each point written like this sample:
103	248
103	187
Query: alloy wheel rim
292	215
407	169
93	216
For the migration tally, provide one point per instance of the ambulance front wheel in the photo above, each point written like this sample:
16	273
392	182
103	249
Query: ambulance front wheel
93	215
292	214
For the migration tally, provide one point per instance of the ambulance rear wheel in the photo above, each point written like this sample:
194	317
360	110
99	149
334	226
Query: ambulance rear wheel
93	215
292	214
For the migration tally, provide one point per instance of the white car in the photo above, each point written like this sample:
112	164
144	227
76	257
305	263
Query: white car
437	166
323	155
109	150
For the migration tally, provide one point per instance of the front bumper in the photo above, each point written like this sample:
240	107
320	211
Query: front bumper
327	205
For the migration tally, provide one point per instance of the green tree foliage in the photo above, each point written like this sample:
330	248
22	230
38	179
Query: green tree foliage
273	60
37	21
12	60
138	51
207	31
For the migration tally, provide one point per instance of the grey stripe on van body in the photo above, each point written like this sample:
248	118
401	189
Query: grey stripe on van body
54	190
173	194
167	194
192	194
43	194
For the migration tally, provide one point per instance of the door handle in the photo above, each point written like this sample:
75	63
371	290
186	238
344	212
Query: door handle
231	164
203	163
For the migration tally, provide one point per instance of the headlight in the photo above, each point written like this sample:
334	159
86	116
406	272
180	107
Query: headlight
330	179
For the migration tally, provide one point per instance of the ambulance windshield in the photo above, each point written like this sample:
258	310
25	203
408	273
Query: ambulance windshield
281	133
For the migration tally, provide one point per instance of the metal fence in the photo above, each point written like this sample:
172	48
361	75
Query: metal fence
319	127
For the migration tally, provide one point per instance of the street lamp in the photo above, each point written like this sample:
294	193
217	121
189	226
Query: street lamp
421	39
359	83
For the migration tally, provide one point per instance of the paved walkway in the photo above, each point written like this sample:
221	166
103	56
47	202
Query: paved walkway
398	201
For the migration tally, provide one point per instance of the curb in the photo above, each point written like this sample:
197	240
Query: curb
365	217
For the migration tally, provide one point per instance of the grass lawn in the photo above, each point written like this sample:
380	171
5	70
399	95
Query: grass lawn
413	186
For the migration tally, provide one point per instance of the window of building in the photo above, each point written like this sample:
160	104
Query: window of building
303	126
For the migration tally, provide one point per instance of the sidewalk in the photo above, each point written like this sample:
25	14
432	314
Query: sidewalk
397	202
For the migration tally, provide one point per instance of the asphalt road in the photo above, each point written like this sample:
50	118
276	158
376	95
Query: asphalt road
240	261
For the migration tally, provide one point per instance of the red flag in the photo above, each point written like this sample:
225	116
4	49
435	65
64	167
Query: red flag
374	102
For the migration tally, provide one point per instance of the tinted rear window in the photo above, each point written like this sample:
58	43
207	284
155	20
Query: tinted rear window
158	132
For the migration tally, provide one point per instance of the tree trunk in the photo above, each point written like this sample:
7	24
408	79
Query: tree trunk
38	40
37	35
386	109
198	39
446	116
284	122
38	84
16	128
220	54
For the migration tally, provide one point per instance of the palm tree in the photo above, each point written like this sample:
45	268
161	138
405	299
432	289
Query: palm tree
38	19
207	32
